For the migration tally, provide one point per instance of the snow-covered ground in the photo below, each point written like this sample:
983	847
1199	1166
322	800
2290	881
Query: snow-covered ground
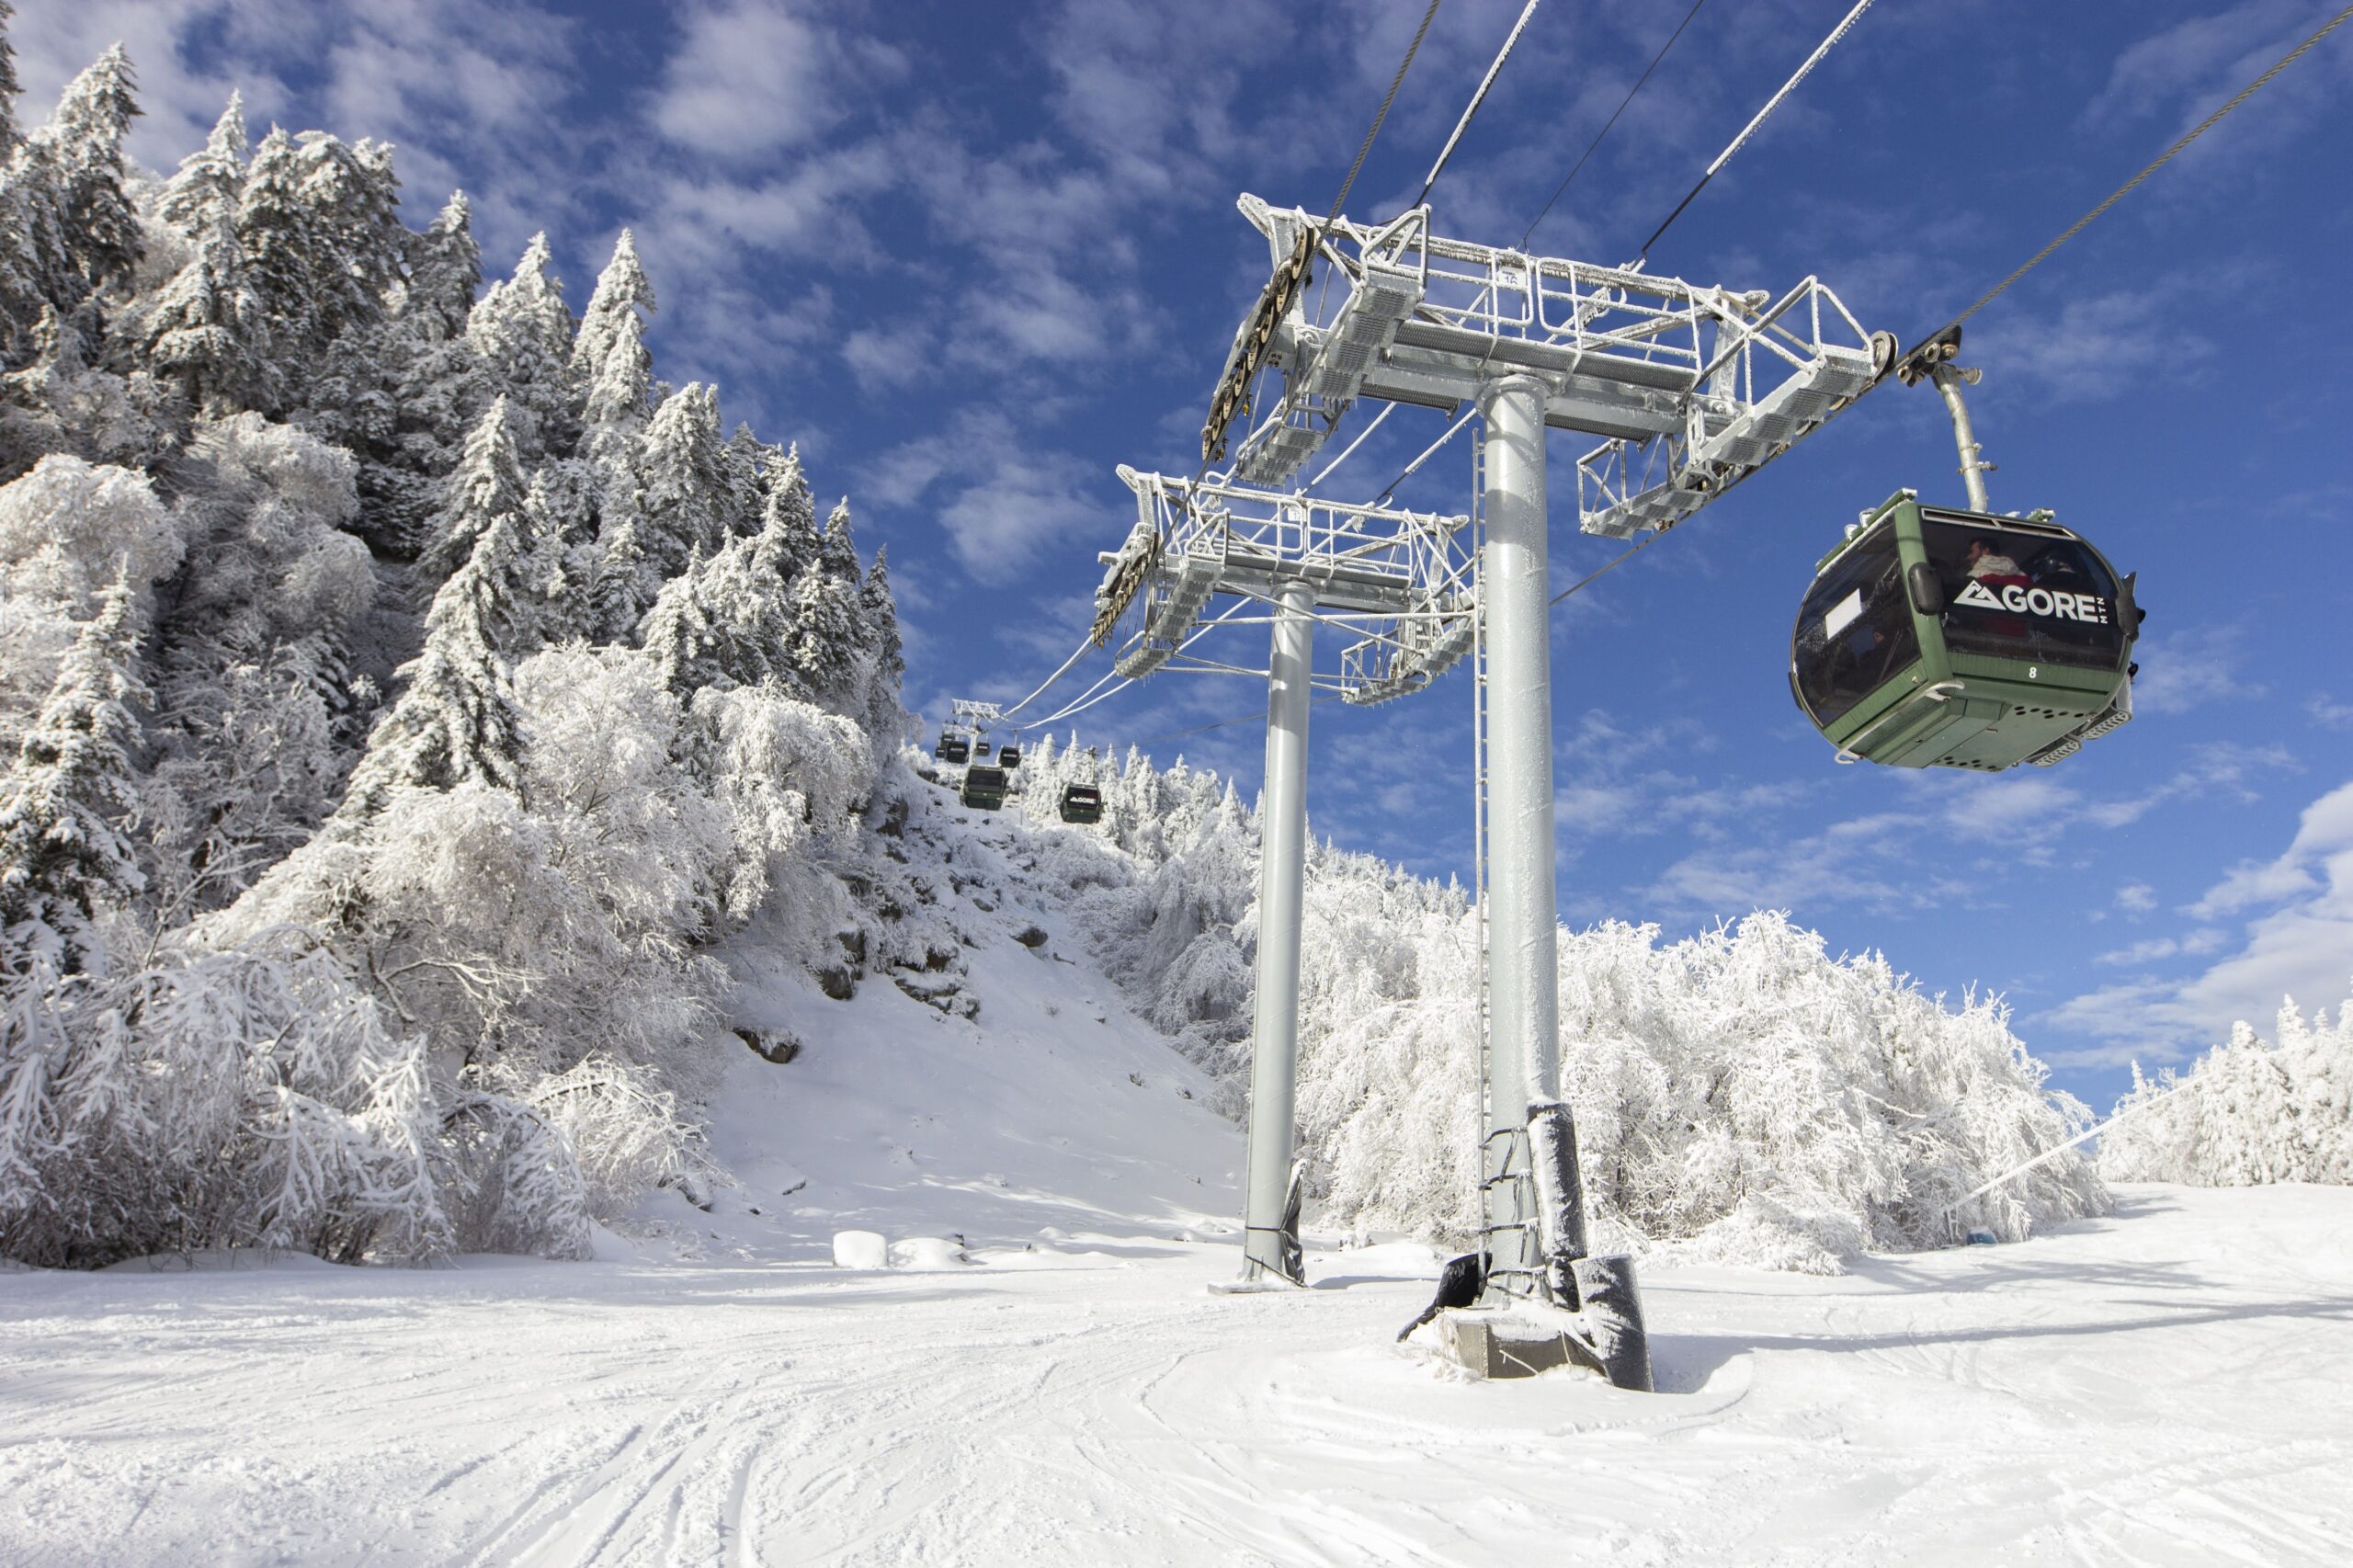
2163	1386
2166	1386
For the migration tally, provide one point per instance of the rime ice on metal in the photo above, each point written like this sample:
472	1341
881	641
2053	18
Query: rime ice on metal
1693	388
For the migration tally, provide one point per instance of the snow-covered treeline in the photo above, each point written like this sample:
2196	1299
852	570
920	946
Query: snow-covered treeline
1741	1095
2248	1111
402	693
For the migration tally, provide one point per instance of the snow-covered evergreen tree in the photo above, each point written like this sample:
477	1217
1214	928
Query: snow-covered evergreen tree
682	489
444	271
277	249
788	530
456	722
488	483
678	633
207	328
522	334
351	193
405	396
80	153
743	466
830	636
879	618
64	855
608	356
203	195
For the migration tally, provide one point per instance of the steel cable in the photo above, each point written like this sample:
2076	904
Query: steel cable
2120	191
1476	99
1750	128
1394	83
1596	141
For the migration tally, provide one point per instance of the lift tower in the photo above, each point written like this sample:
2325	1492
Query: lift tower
1402	581
1691	388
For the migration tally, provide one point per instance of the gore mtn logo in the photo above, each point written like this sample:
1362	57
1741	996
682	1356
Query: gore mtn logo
2089	608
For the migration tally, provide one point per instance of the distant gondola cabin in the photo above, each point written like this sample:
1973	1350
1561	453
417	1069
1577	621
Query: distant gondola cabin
1934	638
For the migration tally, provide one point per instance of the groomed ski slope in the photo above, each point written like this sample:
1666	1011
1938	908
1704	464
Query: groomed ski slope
2166	1386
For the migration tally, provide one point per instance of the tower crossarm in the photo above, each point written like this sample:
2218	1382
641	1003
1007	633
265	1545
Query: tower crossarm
1395	575
1691	387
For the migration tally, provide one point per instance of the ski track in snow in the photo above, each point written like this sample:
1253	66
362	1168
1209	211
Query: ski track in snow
2162	1387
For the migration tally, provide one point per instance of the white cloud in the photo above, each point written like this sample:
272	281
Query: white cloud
2194	63
2253	884
2183	669
2226	771
1984	832
2330	713
2137	898
2098	346
750	78
2205	940
2300	946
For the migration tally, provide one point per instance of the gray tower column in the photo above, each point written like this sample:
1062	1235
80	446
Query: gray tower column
1523	1063
1270	1239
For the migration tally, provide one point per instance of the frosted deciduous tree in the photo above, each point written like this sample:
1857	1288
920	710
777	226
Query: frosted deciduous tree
247	1097
67	530
254	722
1739	1097
2248	1112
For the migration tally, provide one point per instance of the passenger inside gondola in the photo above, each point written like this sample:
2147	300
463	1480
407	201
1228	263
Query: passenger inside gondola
2024	593
1984	559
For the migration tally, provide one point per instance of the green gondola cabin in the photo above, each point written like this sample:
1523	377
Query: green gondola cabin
1937	638
1082	803
984	788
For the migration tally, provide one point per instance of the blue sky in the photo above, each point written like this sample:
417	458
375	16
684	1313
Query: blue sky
972	256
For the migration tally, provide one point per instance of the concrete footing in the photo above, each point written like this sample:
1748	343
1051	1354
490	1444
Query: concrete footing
1486	1343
